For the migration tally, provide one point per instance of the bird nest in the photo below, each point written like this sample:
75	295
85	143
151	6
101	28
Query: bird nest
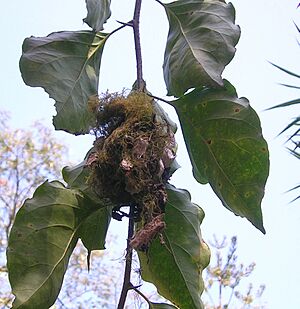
132	157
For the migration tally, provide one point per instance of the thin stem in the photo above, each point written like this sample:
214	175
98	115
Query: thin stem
230	298
129	24
220	294
137	43
126	281
140	85
141	294
159	2
61	302
121	27
160	99
210	298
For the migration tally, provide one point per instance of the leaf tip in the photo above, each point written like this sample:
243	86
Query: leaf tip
259	225
262	229
88	259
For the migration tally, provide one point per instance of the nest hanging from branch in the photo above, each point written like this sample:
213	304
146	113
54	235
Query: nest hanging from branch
134	150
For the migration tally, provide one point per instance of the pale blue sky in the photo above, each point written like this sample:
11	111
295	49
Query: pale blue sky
268	34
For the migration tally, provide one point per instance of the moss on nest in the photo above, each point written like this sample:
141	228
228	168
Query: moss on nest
132	153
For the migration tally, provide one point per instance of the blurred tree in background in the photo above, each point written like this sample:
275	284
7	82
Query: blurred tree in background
27	158
223	279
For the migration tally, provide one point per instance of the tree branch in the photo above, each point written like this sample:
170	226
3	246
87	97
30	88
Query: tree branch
140	86
137	43
126	282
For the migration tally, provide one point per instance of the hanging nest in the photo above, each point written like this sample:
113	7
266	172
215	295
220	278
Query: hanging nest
134	150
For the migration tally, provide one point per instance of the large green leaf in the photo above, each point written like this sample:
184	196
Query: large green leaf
98	13
226	147
44	234
200	43
175	266
66	64
94	228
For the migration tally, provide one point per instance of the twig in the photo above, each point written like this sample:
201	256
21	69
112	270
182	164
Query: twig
159	2
210	297
61	302
126	282
129	24
140	293
230	298
160	99
137	43
117	29
140	85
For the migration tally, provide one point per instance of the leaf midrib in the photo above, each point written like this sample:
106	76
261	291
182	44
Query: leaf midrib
178	266
87	58
184	34
55	265
172	250
226	177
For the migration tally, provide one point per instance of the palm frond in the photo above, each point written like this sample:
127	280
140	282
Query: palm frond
285	70
296	198
295	152
296	24
292	102
290	86
295	123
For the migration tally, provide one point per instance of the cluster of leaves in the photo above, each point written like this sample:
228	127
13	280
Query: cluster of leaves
221	131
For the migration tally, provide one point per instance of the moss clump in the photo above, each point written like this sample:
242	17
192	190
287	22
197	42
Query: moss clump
133	153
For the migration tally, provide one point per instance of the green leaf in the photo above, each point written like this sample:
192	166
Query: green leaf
226	147
175	267
77	176
161	306
41	241
98	13
66	64
201	42
163	118
94	229
44	234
